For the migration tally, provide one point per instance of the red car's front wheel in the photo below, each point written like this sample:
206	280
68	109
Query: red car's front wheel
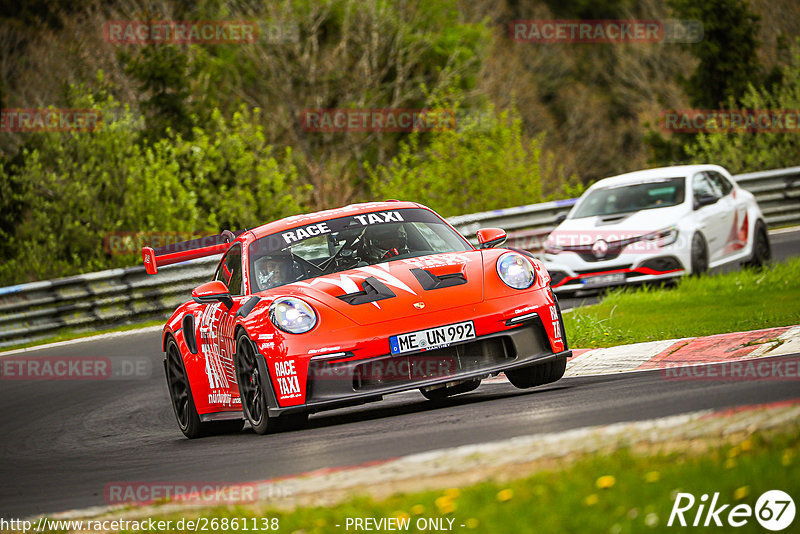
251	374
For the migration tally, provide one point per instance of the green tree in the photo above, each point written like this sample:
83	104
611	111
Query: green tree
72	189
232	172
747	152
727	53
163	74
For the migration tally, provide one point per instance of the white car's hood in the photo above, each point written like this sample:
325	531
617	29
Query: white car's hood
622	226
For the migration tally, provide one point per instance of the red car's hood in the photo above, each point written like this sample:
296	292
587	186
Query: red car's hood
411	298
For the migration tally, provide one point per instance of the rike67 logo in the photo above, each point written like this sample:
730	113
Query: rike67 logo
774	510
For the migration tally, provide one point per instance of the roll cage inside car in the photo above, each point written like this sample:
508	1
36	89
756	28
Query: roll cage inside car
349	242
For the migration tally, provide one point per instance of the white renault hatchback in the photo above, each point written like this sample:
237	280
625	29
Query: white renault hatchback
653	225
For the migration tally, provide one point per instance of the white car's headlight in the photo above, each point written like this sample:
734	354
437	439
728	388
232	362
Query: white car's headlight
292	315
664	237
515	271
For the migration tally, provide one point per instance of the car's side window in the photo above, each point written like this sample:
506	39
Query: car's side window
721	182
229	271
702	187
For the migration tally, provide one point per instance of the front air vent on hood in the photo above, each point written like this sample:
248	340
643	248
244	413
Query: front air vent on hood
373	290
611	219
430	281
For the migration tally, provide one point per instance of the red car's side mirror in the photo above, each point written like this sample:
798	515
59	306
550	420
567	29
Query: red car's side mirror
214	291
491	237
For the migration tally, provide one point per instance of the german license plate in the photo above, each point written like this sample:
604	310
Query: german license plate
604	280
432	338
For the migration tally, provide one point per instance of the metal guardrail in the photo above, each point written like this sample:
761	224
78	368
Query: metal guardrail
30	312
88	302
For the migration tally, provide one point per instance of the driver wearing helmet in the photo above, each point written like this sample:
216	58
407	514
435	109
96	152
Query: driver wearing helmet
274	270
386	241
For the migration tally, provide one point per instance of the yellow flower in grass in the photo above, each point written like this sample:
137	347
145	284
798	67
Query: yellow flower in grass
591	500
786	459
505	495
606	481
445	505
746	445
730	463
741	493
472	523
652	476
418	509
734	452
400	515
452	493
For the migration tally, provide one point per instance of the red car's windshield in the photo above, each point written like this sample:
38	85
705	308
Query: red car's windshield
349	242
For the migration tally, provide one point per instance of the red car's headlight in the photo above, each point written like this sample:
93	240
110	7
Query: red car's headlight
515	271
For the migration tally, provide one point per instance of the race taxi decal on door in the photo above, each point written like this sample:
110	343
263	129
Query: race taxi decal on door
217	351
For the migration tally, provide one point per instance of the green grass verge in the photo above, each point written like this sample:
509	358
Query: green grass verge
732	302
68	335
620	492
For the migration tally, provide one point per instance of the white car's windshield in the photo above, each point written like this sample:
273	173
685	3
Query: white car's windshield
349	242
632	197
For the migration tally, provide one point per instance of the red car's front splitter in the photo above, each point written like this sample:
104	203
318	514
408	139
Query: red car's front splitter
338	383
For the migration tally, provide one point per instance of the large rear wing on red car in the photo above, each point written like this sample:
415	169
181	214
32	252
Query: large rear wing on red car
187	250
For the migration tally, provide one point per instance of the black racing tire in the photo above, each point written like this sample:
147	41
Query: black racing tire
542	373
538	374
762	251
180	394
699	254
253	379
250	374
442	393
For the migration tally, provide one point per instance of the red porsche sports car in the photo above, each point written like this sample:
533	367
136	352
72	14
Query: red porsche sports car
342	307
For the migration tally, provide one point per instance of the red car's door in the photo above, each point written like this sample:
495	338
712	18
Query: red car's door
216	328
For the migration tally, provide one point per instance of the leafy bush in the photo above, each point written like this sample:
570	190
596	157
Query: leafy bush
749	152
71	189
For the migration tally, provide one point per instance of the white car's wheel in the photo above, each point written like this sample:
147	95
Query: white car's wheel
762	251
699	254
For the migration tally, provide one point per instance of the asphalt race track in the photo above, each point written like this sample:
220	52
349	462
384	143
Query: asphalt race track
63	441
